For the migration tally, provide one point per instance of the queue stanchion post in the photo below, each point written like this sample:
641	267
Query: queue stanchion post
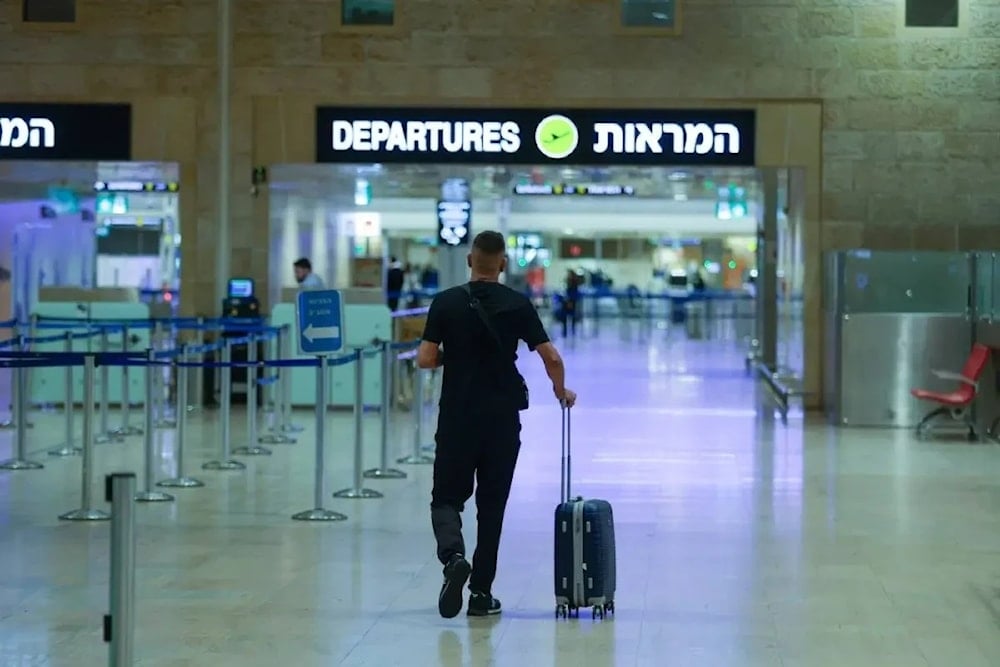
9	424
148	494
199	386
357	490
267	391
181	480
225	460
164	414
319	513
105	434
32	334
384	471
119	623
276	416
20	460
87	512
126	391
252	448
287	425
15	388
69	447
417	456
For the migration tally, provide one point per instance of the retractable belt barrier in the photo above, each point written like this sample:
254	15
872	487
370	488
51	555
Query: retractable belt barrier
261	372
267	374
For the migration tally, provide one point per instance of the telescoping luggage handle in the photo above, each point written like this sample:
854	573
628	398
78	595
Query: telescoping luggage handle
567	457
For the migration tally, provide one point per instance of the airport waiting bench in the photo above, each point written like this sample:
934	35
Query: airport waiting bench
957	403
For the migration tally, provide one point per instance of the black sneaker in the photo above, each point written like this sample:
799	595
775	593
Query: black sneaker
483	604
456	573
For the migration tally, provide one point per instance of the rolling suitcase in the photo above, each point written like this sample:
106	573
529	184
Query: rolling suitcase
584	546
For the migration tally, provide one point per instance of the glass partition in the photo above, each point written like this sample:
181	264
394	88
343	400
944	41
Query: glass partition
905	282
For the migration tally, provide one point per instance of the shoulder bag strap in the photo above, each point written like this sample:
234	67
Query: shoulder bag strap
483	316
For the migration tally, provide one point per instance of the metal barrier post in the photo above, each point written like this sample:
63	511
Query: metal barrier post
417	457
10	423
252	448
384	471
163	417
276	415
357	490
199	386
287	425
86	511
266	390
23	344
318	513
180	480
119	624
148	495
32	333
68	448
21	460
225	461
105	435
126	393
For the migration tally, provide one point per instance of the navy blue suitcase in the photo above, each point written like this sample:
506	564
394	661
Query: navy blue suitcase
584	547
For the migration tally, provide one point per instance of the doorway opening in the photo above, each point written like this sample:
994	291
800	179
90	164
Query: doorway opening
88	226
665	259
85	240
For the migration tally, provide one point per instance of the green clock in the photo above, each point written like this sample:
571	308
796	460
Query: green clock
556	137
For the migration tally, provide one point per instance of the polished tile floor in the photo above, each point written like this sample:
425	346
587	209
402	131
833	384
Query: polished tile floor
740	542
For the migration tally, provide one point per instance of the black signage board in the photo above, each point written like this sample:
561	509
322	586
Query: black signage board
674	137
454	213
45	131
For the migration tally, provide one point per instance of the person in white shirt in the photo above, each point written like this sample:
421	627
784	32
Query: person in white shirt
304	275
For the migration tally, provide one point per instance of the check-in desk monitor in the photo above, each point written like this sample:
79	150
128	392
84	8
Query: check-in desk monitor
240	300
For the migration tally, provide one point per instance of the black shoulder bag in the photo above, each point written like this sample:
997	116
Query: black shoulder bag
520	390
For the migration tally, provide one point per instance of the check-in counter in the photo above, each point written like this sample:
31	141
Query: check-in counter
366	318
47	385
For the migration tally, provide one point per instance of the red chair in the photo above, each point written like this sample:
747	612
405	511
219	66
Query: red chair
958	402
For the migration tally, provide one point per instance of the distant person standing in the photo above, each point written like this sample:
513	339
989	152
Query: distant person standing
571	304
473	331
304	275
395	279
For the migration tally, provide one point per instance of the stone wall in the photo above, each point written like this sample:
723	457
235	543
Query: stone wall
911	123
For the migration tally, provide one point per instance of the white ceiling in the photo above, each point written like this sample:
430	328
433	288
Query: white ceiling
409	180
586	216
30	179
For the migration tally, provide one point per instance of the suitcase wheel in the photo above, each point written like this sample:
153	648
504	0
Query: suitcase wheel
565	611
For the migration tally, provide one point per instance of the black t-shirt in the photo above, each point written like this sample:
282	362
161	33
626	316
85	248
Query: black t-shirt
477	375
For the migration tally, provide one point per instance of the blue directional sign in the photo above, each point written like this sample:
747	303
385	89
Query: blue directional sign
319	315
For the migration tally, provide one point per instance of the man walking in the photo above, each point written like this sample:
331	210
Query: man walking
473	331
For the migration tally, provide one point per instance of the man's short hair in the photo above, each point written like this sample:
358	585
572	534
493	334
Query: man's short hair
303	263
490	243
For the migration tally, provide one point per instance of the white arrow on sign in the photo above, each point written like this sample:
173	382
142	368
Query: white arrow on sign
312	333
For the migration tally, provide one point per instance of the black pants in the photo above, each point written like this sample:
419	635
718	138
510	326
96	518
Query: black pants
480	448
569	323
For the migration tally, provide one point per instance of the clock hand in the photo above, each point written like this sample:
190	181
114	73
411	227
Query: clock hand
556	137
